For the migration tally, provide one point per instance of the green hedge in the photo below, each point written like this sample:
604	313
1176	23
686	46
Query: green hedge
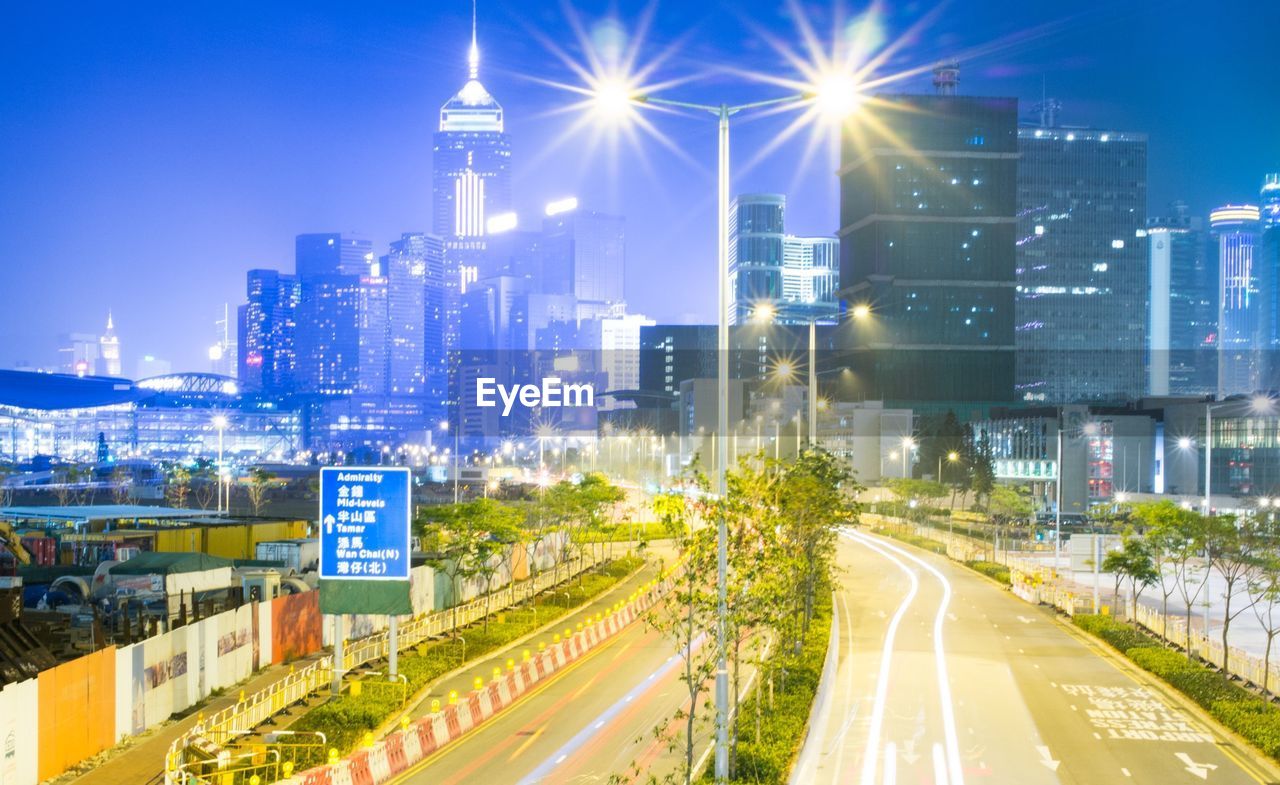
1244	712
345	719
783	721
992	570
1121	636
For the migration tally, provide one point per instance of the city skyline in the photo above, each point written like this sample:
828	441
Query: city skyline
172	317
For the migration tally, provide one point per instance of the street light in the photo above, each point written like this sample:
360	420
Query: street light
908	444
616	98
444	426
220	422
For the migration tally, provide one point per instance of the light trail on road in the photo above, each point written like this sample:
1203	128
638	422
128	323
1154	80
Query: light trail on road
954	766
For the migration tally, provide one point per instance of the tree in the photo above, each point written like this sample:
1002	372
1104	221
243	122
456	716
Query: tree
260	480
1171	533
1229	549
121	485
179	485
1009	502
449	542
815	497
1264	595
982	468
495	533
1132	562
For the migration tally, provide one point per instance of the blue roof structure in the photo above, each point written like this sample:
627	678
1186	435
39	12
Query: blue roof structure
52	391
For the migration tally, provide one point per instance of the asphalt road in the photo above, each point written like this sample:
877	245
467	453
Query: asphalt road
589	721
943	677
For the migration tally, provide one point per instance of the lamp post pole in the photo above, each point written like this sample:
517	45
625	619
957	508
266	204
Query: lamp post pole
813	384
722	112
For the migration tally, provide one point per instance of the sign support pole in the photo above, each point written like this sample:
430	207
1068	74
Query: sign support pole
338	654
393	640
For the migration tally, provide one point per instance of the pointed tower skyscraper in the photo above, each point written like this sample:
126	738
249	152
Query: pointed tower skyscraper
109	350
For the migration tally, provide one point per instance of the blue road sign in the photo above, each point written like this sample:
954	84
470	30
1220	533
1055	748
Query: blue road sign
364	523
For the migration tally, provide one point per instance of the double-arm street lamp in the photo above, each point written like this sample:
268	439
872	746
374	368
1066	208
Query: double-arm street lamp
618	99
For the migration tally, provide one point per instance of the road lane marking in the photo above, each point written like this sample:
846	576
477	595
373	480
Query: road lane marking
939	765
525	745
1046	759
890	776
1200	770
955	768
582	737
1125	772
875	728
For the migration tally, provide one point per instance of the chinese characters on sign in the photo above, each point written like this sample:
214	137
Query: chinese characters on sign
364	523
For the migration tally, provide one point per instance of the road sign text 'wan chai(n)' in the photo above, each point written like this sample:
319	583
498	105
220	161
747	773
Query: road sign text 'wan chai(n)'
364	523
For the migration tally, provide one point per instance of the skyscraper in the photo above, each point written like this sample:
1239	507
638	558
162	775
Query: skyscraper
1236	230
810	278
584	254
757	227
928	185
268	359
331	253
375	334
1082	266
471	182
109	351
1268	265
1183	317
415	315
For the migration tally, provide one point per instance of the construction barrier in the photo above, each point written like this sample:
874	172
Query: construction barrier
402	749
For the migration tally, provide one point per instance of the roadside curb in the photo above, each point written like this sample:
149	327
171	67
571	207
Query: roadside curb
1254	760
382	761
424	692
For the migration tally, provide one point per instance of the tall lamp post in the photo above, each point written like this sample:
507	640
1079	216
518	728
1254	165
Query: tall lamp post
618	98
220	422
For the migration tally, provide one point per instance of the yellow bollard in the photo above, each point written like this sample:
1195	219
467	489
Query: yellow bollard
497	673
555	638
333	756
356	688
568	633
453	697
255	780
511	664
404	723
242	696
579	626
286	769
477	683
542	645
292	669
524	655
435	705
368	739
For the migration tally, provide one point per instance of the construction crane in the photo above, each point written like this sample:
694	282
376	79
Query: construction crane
13	543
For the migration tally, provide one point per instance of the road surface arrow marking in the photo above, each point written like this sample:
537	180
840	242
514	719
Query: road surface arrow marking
952	617
1025	620
1201	770
1047	760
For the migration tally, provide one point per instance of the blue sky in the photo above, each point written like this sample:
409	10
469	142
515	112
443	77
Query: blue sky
151	154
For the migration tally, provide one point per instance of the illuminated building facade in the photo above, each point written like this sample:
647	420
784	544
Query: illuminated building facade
756	231
1183	317
1235	229
109	351
1082	266
810	278
268	325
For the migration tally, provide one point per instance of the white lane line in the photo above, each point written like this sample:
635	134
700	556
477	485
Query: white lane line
939	765
890	776
1125	772
955	769
875	728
